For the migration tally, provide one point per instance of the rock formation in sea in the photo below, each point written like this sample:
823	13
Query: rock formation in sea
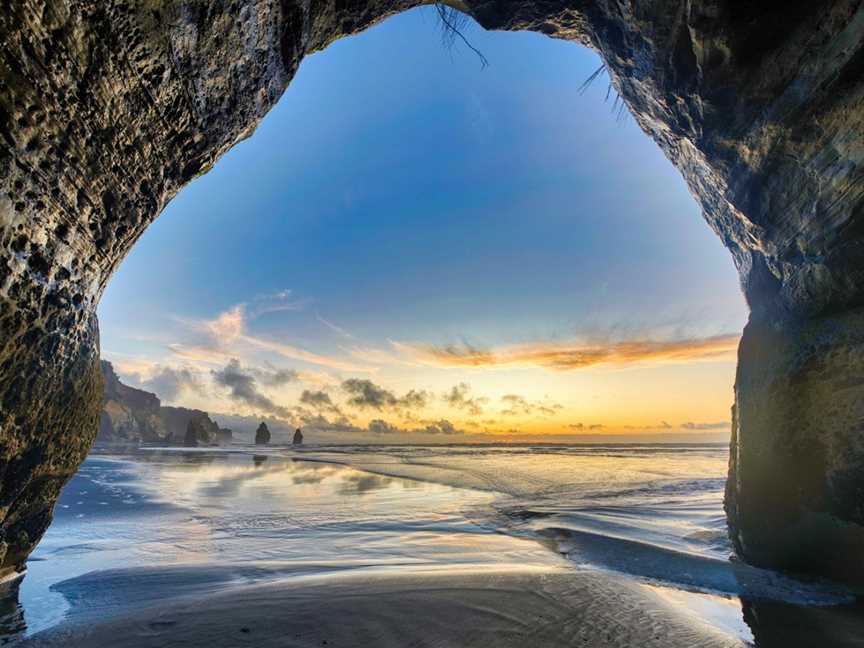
224	436
107	109
200	431
177	420
298	437
262	434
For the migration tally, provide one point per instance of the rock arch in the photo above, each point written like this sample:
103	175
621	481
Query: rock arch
108	107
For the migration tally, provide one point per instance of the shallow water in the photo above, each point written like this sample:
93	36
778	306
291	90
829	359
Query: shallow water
133	530
214	519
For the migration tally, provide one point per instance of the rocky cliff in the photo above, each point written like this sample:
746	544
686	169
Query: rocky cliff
107	108
128	415
131	415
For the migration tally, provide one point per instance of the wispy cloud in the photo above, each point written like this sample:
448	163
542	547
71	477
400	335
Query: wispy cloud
275	302
333	327
518	405
574	356
718	425
228	336
200	354
296	353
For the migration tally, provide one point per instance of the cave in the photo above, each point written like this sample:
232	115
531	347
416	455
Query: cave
107	109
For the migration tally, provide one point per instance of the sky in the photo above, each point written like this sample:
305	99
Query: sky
413	247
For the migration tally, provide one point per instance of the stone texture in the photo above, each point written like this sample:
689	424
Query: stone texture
107	108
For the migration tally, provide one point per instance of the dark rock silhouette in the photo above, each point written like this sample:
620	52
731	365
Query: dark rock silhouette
262	434
177	419
759	105
200	430
298	437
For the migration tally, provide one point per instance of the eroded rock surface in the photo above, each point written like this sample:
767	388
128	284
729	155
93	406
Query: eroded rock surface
107	108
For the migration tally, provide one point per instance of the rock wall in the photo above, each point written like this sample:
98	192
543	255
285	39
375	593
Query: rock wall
107	107
128	415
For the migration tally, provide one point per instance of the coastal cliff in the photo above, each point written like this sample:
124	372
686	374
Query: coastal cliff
108	108
134	416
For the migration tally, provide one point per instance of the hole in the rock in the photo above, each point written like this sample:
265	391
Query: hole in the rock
437	332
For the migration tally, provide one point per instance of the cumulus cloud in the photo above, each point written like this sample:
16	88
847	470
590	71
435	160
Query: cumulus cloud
243	388
576	355
440	427
321	423
318	400
379	426
273	377
169	382
364	394
458	397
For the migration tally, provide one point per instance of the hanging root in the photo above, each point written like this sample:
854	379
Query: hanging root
452	24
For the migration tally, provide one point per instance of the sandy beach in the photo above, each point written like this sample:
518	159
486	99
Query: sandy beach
495	607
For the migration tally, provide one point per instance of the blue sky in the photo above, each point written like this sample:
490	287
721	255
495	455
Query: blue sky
401	193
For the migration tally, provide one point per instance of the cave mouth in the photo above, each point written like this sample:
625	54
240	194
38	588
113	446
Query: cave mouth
585	223
364	248
148	98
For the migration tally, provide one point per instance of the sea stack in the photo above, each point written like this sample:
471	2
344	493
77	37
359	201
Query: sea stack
200	430
262	434
298	437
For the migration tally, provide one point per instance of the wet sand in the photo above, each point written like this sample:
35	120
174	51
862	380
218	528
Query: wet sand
491	607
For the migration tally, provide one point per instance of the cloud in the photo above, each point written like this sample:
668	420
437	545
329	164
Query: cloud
320	423
440	427
319	401
379	426
458	398
169	382
228	333
244	389
364	394
227	327
573	356
336	329
719	425
518	405
274	377
275	302
295	353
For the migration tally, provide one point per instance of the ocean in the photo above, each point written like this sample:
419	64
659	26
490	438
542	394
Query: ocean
138	529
